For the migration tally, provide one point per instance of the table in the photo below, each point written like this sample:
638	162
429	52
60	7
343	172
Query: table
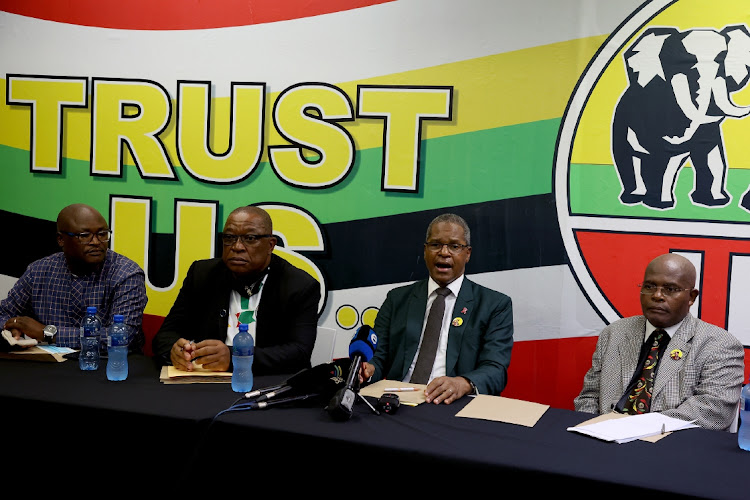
302	448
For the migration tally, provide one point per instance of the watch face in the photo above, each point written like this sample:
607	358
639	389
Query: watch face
50	330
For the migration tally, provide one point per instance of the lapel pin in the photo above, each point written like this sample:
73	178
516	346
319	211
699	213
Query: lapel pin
675	354
457	322
463	311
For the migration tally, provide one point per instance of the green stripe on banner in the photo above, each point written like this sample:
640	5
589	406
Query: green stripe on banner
595	190
487	165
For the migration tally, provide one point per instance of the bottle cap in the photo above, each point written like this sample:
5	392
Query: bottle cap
91	310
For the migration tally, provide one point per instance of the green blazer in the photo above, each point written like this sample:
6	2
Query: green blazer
478	349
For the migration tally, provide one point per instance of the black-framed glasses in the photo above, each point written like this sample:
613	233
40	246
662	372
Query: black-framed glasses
454	248
247	239
668	290
87	237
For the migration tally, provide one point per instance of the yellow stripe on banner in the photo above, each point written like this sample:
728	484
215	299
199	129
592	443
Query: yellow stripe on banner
489	92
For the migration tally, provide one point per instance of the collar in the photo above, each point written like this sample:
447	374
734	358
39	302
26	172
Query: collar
454	286
671	330
249	288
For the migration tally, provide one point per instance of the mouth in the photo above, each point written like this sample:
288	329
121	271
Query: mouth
443	266
236	261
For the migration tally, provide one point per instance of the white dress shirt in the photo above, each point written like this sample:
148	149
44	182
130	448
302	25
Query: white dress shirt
438	369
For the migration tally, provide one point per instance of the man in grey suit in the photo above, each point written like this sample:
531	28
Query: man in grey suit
686	368
447	332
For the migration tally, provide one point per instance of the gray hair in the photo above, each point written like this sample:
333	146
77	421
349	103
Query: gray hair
452	219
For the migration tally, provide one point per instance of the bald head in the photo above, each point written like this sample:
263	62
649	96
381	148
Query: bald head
83	236
70	214
676	266
668	290
262	216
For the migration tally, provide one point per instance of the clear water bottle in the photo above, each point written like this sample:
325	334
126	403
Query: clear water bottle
117	350
743	435
243	348
88	358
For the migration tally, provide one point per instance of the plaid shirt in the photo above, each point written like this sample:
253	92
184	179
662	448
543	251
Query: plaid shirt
51	294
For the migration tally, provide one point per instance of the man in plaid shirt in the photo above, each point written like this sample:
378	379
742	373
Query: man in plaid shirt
50	299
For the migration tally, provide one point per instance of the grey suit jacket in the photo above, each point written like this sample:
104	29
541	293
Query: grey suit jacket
701	384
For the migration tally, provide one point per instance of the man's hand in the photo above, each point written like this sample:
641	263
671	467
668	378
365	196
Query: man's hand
366	370
446	390
181	355
214	355
20	325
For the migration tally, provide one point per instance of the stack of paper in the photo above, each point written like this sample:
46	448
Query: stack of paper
171	375
624	430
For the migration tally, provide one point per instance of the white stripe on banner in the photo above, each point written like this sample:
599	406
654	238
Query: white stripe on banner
340	47
547	304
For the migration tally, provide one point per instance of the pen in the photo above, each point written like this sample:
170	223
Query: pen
663	428
399	389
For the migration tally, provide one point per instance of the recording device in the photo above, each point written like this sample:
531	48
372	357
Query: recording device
361	349
302	380
389	403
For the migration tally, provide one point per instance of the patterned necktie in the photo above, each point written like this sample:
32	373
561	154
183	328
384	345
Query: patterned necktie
430	339
639	399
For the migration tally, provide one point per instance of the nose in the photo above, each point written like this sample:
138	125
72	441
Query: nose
237	246
444	249
658	293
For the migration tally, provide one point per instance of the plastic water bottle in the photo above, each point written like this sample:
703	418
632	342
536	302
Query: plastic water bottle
117	350
243	348
743	435
88	358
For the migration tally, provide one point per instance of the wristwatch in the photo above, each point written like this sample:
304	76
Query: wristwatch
50	334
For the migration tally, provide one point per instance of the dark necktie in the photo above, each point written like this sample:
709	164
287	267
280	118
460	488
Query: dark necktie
430	339
639	398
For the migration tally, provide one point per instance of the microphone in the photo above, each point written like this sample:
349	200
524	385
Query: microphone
361	349
305	379
323	388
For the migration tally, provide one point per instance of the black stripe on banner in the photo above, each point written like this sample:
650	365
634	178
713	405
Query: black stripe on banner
505	234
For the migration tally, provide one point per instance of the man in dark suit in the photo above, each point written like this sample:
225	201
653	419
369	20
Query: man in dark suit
460	346
250	285
666	360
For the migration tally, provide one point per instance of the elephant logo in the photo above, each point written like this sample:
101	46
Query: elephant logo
678	94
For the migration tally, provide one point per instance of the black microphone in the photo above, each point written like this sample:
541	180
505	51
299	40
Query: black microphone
305	379
323	388
361	349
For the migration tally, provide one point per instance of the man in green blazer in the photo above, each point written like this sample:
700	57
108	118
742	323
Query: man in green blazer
467	348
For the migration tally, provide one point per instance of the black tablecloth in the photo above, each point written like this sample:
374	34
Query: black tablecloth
167	431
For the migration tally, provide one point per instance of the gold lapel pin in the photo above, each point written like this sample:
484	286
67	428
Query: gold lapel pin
457	322
675	354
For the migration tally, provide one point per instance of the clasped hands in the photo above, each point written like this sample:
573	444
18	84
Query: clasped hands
440	390
212	354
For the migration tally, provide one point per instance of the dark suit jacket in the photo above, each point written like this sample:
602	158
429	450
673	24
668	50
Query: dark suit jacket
479	349
287	314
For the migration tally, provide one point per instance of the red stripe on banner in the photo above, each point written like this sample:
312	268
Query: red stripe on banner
151	325
617	262
177	14
551	371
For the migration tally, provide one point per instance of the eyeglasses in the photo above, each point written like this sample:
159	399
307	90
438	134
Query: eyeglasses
668	290
454	248
247	239
87	237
